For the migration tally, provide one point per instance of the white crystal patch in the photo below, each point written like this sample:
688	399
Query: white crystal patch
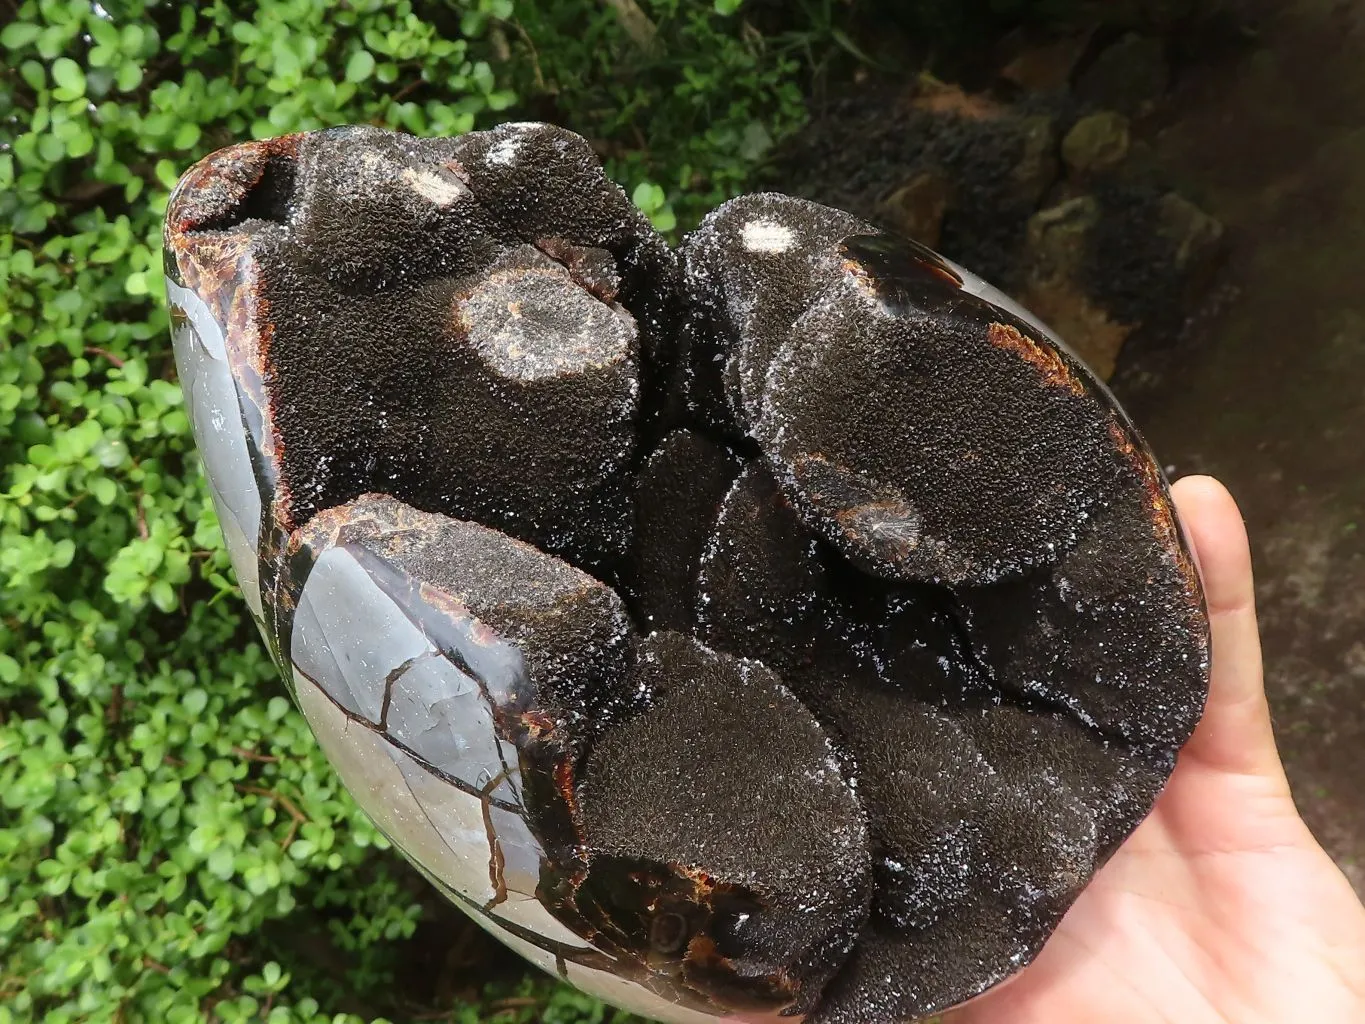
504	153
767	236
429	185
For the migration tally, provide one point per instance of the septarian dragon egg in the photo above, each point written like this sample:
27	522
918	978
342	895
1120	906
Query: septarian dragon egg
786	624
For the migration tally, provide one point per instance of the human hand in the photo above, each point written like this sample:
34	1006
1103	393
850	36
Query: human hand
1221	907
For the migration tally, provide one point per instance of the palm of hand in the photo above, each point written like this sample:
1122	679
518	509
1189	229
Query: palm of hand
1221	907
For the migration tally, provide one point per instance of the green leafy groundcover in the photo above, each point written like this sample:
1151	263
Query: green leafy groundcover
173	846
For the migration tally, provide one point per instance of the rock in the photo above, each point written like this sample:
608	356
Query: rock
1047	67
1196	235
1057	237
509	397
1152	255
1001	161
1058	241
678	495
752	264
1086	608
1038	165
761	581
1096	143
566	632
954	636
874	330
728	773
374	209
1129	76
916	208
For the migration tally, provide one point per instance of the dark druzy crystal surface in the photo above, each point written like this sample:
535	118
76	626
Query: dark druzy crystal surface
783	624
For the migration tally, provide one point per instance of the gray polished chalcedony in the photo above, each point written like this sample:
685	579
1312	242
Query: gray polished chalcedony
216	418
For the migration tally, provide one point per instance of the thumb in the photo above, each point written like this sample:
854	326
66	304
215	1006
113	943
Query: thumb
1234	734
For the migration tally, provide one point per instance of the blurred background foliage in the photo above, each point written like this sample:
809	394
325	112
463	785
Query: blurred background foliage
173	846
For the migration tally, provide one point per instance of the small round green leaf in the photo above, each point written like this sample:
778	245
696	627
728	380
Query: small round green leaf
360	66
69	79
18	34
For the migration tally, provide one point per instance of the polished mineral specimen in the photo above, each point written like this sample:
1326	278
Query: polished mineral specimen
783	624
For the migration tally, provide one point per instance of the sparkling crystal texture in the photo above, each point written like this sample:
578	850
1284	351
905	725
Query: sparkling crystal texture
782	624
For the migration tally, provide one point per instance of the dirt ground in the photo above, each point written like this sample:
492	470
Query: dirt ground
1267	391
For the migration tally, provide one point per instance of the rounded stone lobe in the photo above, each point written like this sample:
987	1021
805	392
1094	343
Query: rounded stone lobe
936	443
751	268
532	325
678	496
572	631
375	210
754	800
